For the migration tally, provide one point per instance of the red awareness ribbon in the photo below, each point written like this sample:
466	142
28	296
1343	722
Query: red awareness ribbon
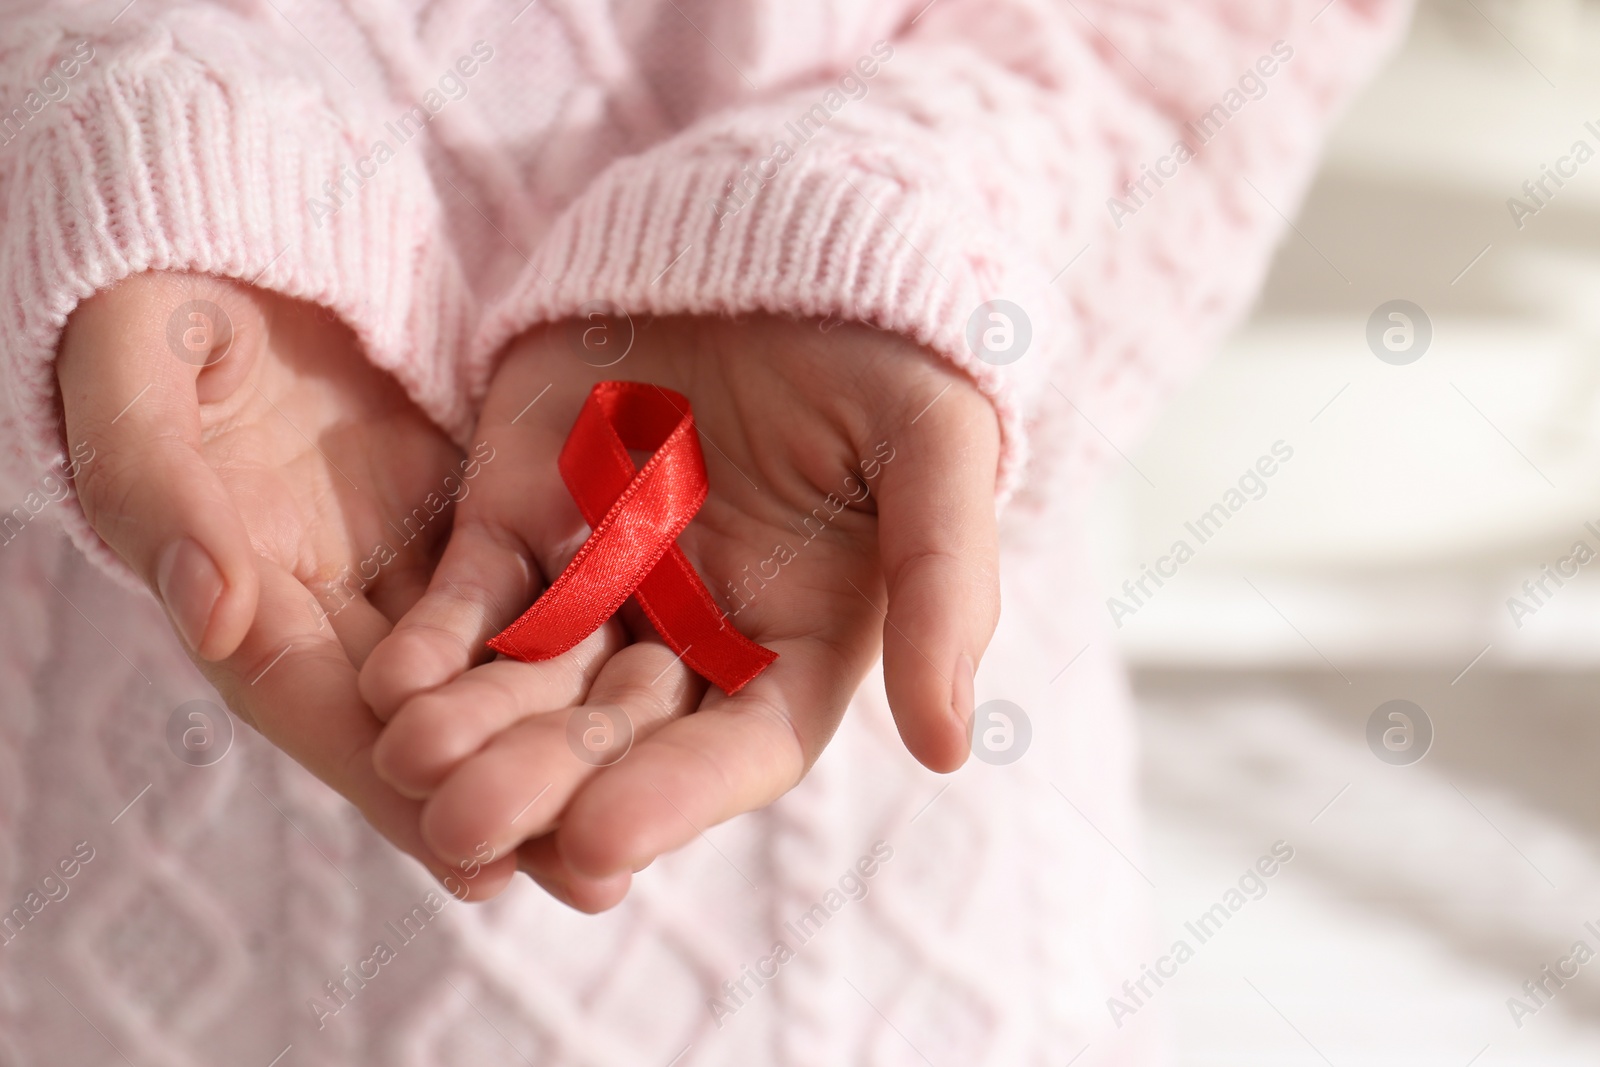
635	515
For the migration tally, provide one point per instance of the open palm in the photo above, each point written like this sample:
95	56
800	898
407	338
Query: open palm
843	466
282	495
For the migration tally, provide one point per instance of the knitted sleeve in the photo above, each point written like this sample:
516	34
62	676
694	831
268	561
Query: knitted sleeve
191	137
963	153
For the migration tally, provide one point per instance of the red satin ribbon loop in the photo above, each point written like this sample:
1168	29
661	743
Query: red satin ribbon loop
635	515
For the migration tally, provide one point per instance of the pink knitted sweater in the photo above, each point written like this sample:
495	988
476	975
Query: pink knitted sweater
444	175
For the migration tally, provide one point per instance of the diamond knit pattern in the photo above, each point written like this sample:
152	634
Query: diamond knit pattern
622	153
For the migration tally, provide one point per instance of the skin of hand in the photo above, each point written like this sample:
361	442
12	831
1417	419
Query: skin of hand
247	455
851	472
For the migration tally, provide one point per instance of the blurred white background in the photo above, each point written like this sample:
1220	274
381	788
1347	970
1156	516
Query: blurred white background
1378	566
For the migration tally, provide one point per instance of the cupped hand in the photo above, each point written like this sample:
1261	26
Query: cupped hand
851	510
281	496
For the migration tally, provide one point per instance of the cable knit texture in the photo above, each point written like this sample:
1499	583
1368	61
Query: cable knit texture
895	163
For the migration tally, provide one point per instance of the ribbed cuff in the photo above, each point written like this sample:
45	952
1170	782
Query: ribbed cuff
826	237
160	166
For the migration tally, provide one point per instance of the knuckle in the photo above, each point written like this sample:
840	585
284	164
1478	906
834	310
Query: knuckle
107	487
498	699
937	572
423	713
125	486
432	644
929	566
792	748
971	416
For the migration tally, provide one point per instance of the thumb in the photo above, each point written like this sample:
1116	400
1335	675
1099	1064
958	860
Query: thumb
132	366
939	545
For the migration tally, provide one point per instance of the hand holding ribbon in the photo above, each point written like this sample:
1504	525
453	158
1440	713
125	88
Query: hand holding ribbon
636	516
833	564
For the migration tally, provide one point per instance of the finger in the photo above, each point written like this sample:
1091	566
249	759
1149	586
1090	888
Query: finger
291	680
434	731
541	860
357	624
733	755
939	547
517	528
397	592
132	399
485	580
516	787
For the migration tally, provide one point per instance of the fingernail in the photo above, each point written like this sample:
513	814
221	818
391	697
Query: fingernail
961	697
190	586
